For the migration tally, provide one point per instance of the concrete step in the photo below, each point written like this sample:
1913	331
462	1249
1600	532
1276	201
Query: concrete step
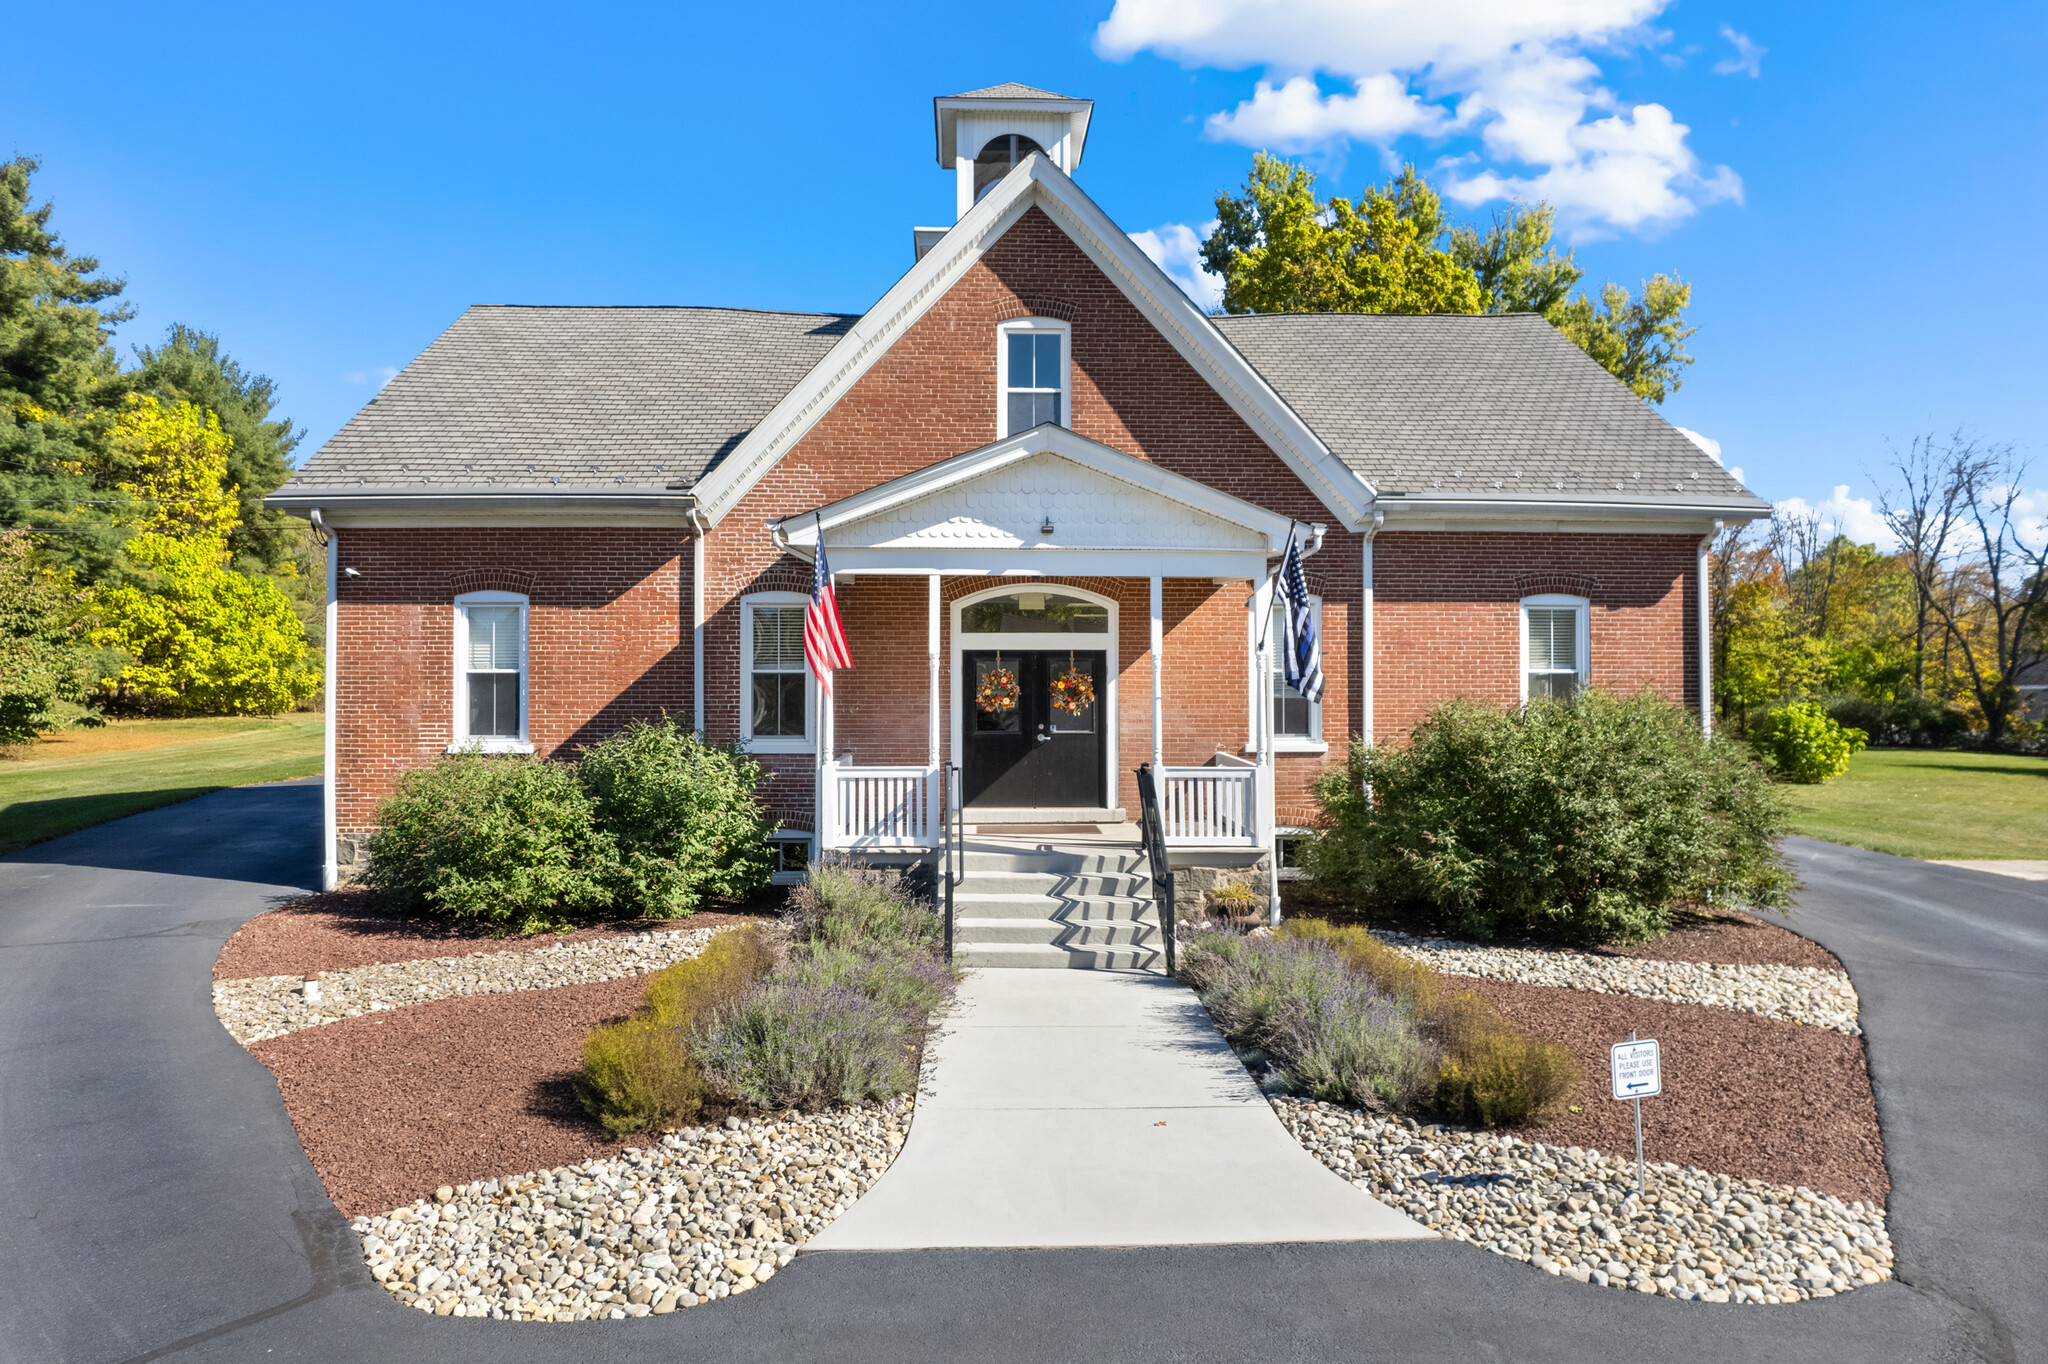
1066	932
1113	861
1062	884
974	904
1012	955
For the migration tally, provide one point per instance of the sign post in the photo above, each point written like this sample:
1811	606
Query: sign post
1637	1075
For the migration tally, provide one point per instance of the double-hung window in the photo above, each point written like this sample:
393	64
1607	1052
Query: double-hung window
1554	640
1032	363
1297	721
491	677
776	700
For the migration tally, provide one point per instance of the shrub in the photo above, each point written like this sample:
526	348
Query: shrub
1330	1031
1802	744
505	841
642	1072
847	903
1581	820
795	1044
915	985
1909	722
683	813
1491	1073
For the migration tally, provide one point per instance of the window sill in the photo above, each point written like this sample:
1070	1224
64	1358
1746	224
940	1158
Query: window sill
1293	743
489	746
779	743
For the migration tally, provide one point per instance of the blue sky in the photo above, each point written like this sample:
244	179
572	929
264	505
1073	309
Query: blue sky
1854	192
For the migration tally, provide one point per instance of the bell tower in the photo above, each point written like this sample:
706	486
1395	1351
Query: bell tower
983	133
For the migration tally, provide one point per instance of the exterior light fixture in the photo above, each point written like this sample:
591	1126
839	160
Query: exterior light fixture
1046	529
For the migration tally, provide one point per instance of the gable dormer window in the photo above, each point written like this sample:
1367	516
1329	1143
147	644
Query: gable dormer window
997	159
1031	360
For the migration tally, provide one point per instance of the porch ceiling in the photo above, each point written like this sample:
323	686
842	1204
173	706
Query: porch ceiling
986	513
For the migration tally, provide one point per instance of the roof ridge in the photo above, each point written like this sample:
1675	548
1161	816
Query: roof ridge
660	307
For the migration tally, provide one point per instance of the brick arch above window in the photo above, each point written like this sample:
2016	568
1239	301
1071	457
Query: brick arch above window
1563	584
1031	305
492	580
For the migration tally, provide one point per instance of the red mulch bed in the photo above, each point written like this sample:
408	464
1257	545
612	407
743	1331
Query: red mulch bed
1743	1095
1725	938
391	1105
1730	939
344	928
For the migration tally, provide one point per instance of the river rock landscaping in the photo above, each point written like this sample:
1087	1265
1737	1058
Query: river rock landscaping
255	1010
708	1212
1797	994
1574	1212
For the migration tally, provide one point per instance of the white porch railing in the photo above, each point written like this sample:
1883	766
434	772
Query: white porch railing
880	807
1210	806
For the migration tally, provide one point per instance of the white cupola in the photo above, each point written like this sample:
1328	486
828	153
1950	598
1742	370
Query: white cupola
983	133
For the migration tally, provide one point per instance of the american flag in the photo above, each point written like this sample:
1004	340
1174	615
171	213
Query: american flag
1304	658
824	642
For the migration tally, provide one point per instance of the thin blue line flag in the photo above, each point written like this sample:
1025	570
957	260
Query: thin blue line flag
1304	658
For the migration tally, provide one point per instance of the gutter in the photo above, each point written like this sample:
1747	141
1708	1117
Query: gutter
1734	508
332	500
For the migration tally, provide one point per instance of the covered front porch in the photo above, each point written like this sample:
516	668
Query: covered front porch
1082	612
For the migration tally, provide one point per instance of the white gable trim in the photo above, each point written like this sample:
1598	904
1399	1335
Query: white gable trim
799	533
1036	181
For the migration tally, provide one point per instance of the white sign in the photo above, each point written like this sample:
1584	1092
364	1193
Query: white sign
1636	1072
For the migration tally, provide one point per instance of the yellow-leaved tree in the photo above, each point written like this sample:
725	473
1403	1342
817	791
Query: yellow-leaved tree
200	636
173	460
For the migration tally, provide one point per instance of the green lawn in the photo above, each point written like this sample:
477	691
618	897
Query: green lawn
1918	803
78	778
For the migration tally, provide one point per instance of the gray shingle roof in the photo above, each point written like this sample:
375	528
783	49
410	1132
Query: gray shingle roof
594	397
1008	90
1470	405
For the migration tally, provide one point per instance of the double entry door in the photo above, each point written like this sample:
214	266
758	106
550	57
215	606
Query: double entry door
1033	753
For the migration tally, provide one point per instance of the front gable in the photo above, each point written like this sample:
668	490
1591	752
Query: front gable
1046	502
1049	242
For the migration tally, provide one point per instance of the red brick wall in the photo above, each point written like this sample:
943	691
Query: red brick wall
608	640
933	396
1448	614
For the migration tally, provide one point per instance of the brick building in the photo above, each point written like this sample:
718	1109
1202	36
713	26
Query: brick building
1033	461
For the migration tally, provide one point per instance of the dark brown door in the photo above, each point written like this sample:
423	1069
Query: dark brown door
1033	754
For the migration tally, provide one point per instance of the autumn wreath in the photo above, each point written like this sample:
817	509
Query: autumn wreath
1073	691
997	690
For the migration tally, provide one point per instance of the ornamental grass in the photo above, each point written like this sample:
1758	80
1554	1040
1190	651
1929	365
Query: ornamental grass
1489	1073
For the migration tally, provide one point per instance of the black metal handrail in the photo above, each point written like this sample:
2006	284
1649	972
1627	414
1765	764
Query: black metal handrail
1153	831
952	856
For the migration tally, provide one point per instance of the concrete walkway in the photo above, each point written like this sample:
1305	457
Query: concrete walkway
1097	1108
2025	869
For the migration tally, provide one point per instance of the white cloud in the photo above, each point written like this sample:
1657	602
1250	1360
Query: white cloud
1516	73
1176	248
1842	514
1297	116
380	376
1708	445
1748	59
1711	448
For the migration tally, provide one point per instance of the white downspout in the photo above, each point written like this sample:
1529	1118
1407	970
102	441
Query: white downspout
1706	642
1365	618
330	872
699	525
1262	615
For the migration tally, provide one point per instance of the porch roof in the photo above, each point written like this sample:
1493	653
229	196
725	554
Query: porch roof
1045	502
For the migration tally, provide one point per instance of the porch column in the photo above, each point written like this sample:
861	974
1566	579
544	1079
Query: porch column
1158	709
1262	614
931	648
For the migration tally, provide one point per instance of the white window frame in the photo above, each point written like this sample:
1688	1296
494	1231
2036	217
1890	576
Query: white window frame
1582	607
459	719
793	878
1004	331
1311	742
772	743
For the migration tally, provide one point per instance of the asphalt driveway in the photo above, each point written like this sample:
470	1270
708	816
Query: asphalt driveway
155	1204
